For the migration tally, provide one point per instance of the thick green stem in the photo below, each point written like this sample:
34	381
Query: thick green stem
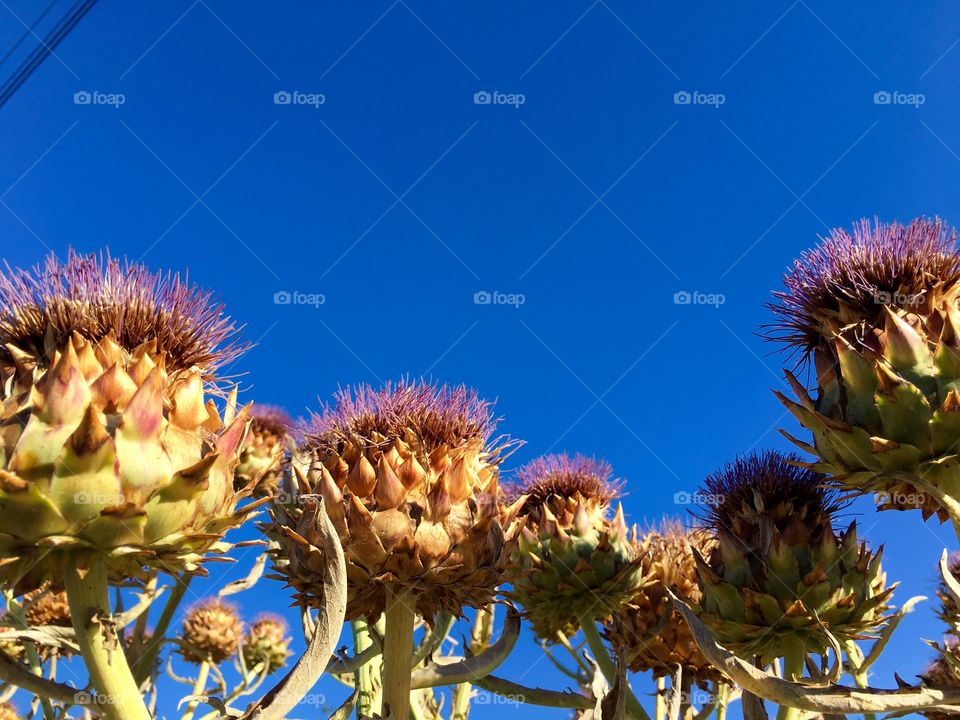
363	675
143	666
661	701
118	694
37	669
857	671
398	653
723	698
794	662
589	627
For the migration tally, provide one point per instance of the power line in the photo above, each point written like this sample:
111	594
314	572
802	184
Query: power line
28	32
43	50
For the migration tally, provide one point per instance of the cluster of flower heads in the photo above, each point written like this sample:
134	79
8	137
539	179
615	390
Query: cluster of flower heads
213	632
409	473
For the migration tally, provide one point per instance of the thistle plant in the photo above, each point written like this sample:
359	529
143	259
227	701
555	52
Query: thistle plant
125	458
264	450
780	581
111	460
266	644
649	631
409	477
876	309
212	631
574	563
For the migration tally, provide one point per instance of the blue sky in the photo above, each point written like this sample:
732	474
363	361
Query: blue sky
586	187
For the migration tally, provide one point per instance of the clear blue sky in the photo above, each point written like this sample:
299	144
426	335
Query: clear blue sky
598	198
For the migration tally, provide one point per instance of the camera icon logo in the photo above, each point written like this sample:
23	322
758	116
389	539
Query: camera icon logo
682	498
682	98
282	98
482	97
882	97
482	298
282	298
682	298
82	97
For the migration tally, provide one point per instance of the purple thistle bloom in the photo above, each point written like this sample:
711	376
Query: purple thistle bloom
564	476
271	418
436	415
878	264
97	296
769	478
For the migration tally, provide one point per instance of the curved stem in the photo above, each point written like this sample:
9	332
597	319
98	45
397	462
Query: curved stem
534	696
574	653
110	675
398	653
589	627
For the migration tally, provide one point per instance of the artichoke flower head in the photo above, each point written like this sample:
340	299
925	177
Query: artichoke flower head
878	311
267	642
109	446
652	634
409	476
778	572
264	450
574	555
212	632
